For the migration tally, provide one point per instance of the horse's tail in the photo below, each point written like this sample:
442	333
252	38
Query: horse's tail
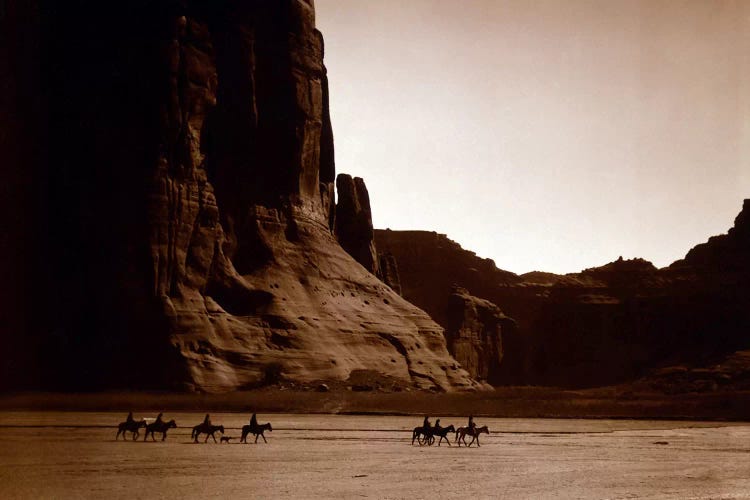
192	434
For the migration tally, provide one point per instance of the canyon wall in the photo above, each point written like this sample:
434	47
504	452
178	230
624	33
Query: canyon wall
184	233
604	325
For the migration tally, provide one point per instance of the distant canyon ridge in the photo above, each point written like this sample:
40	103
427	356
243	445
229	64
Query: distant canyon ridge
178	224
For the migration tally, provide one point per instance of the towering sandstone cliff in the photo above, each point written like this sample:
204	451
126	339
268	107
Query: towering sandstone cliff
185	230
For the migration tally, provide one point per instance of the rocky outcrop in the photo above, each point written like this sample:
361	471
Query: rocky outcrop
354	222
476	333
603	325
185	235
430	264
389	272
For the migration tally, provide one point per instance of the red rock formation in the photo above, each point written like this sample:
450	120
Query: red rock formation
188	223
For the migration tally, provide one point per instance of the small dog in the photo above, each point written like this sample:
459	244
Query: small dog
225	439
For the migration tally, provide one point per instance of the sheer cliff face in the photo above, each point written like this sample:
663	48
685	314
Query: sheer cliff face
192	202
354	229
603	325
478	334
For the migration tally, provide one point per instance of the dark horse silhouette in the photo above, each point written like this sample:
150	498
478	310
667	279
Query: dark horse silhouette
130	426
442	432
255	429
159	426
426	435
207	429
423	435
462	432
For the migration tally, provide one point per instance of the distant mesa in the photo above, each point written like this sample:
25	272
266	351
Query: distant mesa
604	325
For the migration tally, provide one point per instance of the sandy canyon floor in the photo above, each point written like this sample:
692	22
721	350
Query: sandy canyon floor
75	455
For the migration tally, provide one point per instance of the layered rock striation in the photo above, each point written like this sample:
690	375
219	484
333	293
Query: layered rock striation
189	211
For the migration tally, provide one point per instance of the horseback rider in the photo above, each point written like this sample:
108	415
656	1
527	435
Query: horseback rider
254	421
472	425
207	421
426	424
158	418
129	420
437	424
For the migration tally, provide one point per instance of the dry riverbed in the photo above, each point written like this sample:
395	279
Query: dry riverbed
74	455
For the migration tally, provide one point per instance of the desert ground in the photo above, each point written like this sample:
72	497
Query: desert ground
75	455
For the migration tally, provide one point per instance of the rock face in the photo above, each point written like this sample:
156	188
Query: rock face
389	272
430	264
354	222
185	231
476	333
604	325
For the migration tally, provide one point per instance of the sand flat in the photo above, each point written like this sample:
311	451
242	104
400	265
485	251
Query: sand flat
70	454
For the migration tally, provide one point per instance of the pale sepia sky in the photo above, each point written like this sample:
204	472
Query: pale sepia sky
547	135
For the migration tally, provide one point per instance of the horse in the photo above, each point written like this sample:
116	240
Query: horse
442	432
159	426
207	429
461	433
257	430
423	435
426	435
130	426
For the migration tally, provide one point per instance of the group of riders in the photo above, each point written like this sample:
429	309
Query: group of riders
206	427
471	426
427	433
424	434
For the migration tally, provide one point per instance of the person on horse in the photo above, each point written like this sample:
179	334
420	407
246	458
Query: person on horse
254	421
158	418
207	420
129	420
472	425
437	424
426	424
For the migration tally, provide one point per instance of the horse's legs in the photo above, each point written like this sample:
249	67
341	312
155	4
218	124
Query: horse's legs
164	435
135	435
